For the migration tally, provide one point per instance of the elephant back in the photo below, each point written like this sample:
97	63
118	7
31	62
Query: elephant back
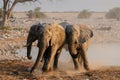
58	33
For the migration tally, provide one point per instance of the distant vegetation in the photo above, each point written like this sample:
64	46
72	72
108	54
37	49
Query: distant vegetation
113	13
36	13
0	12
84	14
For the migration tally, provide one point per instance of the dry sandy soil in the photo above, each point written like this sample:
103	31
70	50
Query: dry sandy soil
17	70
12	68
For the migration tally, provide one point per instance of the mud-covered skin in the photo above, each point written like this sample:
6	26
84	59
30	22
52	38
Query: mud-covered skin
78	38
51	38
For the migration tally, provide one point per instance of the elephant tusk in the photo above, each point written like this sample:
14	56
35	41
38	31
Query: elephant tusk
27	45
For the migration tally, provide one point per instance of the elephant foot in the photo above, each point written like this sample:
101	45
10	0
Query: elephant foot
31	70
29	57
46	69
86	67
77	69
55	69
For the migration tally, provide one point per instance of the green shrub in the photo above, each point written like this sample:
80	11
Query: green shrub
39	15
113	13
5	28
84	14
36	13
30	14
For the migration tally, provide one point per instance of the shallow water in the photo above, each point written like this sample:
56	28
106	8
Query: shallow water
98	54
105	54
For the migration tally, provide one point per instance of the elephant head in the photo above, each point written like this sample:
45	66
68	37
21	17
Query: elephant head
34	34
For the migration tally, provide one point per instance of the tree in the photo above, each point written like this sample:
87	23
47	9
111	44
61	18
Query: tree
37	12
84	14
113	13
37	9
8	6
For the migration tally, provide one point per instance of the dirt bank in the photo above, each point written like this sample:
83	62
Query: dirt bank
18	70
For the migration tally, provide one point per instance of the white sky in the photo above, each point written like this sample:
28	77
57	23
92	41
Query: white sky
69	5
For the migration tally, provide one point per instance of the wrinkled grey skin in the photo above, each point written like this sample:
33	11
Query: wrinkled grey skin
78	38
50	44
34	34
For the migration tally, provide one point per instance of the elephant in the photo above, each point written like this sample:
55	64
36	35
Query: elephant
51	38
78	39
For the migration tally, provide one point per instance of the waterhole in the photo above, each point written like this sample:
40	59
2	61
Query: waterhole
98	54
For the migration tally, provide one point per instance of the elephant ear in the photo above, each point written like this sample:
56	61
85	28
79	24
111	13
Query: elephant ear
85	33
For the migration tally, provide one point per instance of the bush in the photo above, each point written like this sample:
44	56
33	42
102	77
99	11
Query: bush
30	14
0	12
84	14
36	13
113	14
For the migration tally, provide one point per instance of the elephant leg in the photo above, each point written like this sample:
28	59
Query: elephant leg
75	59
44	65
36	63
80	61
47	53
80	58
46	57
50	58
85	60
76	63
55	65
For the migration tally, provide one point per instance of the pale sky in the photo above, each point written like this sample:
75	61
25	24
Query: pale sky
69	5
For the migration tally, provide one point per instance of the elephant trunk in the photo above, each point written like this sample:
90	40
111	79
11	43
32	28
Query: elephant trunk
73	51
28	45
29	51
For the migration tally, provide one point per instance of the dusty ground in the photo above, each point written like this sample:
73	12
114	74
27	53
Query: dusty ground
17	70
